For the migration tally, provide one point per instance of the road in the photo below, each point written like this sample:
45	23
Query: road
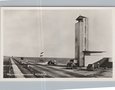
42	70
50	71
17	72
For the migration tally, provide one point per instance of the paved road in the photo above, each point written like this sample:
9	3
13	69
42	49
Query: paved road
54	71
60	72
17	72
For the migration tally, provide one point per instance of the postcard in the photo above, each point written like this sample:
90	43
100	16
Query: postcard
57	43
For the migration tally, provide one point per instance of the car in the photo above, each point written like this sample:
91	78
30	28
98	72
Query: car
72	63
90	67
52	62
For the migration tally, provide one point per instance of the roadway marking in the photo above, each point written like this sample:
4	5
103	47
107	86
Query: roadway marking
17	72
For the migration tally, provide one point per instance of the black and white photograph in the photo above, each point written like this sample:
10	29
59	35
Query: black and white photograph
57	42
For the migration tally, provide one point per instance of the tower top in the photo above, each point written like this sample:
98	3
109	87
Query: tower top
80	18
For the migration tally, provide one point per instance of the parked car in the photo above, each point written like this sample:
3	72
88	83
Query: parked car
90	67
72	64
52	62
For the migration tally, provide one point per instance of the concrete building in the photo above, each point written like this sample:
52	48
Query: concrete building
83	55
81	39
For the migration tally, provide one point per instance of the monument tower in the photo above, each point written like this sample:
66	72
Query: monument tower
81	39
82	43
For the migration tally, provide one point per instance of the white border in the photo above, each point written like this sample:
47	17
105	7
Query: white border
55	79
1	48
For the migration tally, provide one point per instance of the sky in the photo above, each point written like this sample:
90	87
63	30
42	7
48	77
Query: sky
30	32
